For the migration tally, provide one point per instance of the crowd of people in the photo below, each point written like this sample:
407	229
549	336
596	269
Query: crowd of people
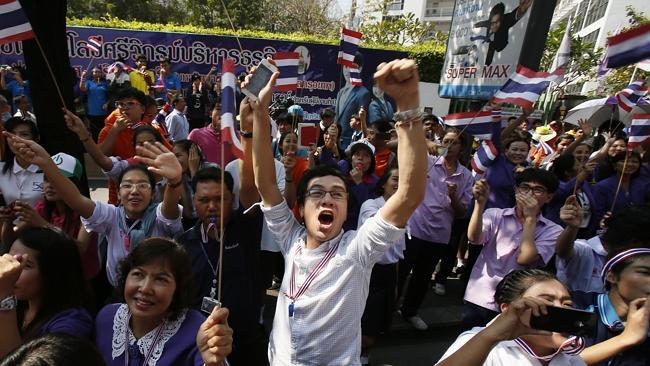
349	231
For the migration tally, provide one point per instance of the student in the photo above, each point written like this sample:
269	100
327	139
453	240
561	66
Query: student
448	193
509	339
137	217
512	238
154	325
42	289
56	350
621	335
378	136
380	305
18	178
317	319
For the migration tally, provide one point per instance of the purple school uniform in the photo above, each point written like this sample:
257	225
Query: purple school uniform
605	190
176	345
75	322
501	239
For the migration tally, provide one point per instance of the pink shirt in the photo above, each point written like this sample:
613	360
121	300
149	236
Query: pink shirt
210	144
501	238
432	220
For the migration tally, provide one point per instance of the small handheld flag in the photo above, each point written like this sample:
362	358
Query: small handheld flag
14	25
349	45
228	130
480	124
525	86
484	157
355	76
632	95
94	44
287	63
639	133
628	47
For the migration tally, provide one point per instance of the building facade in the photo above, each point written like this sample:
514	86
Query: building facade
438	12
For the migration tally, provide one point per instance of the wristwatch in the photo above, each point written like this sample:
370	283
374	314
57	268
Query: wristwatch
408	115
8	303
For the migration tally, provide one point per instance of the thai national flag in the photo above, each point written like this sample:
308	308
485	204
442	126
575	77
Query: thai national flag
639	130
632	95
287	63
14	25
94	44
628	47
113	68
483	158
525	86
228	130
478	124
548	150
349	44
355	75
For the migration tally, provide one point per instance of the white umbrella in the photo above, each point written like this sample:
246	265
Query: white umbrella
595	111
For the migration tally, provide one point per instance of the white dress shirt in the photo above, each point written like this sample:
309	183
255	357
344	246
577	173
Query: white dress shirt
368	209
325	328
508	353
25	184
177	125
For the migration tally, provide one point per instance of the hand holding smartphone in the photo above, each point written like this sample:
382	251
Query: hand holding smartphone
566	321
260	78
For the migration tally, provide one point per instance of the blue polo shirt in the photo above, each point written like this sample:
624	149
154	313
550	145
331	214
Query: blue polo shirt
96	92
172	82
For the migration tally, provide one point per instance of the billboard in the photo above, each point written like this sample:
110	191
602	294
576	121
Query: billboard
485	43
319	77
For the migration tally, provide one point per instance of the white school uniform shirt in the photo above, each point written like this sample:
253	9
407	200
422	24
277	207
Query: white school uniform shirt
104	220
325	328
177	125
508	353
368	209
581	272
25	184
267	242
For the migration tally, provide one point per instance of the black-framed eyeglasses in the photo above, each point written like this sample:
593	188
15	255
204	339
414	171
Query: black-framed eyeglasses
536	190
319	194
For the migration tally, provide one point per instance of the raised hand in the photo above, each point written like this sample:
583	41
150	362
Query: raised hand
214	338
245	115
481	191
75	124
264	98
289	163
10	269
356	174
160	161
571	212
399	79
28	150
585	126
194	159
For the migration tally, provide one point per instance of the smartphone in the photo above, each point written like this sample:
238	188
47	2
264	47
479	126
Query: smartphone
566	321
259	80
308	134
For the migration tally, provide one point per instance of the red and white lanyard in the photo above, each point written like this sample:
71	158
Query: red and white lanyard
572	346
126	236
294	294
153	343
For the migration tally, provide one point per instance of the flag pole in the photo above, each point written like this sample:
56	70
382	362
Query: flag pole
633	73
49	68
620	181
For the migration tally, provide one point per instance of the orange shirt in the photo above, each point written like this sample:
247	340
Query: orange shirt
123	148
382	158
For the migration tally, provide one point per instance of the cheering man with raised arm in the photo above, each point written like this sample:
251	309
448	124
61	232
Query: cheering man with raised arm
323	294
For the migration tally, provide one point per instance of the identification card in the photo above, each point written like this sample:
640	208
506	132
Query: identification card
291	310
208	304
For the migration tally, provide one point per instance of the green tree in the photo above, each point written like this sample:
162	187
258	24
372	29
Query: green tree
301	16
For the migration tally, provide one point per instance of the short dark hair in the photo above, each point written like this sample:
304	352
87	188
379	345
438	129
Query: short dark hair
619	267
140	56
459	133
327	112
383	127
564	136
316	172
515	283
516	136
628	228
177	98
132	93
9	126
281	140
55	349
499	8
165	59
212	174
62	276
141	168
562	166
179	262
144	129
151	101
540	176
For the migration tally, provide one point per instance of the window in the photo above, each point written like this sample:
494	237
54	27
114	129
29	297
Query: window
436	9
591	37
580	16
597	10
395	5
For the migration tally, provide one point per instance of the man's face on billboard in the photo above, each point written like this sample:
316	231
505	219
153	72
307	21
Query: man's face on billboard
495	23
